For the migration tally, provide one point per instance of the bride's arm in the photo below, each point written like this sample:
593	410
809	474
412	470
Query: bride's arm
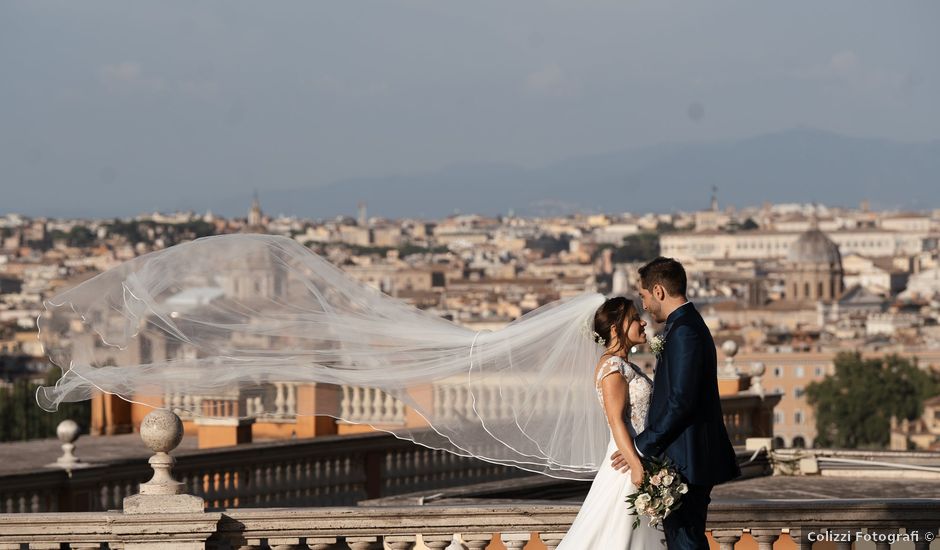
616	391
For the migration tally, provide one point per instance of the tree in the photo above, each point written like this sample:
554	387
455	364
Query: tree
80	236
855	405
749	225
22	419
638	247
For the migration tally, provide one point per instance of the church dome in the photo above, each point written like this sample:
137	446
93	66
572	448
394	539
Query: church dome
814	247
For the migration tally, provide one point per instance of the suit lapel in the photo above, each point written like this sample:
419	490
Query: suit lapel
659	380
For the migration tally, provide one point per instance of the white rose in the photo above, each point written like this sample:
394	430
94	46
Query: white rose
683	488
668	479
643	499
669	501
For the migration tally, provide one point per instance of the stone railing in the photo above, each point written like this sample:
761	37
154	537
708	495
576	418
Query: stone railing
322	471
278	404
462	527
362	405
746	414
163	515
749	415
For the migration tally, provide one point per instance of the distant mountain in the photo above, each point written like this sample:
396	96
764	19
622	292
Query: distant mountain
799	165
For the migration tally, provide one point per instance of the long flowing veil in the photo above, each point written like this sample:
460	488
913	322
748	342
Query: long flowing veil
229	318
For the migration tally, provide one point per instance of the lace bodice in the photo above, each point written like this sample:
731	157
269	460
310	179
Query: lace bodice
641	387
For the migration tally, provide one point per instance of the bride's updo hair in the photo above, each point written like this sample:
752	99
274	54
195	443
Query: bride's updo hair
613	312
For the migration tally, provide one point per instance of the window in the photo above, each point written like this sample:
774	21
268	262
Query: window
798	392
778	417
798	417
819	371
778	372
799	372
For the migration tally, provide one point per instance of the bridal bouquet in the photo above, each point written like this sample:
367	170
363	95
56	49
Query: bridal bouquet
659	493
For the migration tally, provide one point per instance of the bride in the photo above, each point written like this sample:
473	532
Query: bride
235	316
623	391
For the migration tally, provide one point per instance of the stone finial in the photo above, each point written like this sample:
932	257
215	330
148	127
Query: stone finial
67	431
730	349
757	375
162	431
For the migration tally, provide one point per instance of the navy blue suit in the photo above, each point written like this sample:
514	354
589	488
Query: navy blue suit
686	425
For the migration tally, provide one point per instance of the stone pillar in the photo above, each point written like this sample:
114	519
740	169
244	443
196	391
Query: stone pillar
223	432
314	399
162	515
765	538
726	538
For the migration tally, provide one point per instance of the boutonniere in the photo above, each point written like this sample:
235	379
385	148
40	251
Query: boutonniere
657	345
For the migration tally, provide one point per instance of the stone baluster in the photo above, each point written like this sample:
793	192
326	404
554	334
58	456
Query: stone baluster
290	402
843	544
476	541
925	534
765	538
376	414
726	538
551	540
345	403
879	533
286	543
474	399
800	538
356	404
249	544
514	541
321	543
364	543
401	542
399	411
437	542
389	409
279	400
456	396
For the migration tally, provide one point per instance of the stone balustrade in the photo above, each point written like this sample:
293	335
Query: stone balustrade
748	415
163	515
362	405
456	527
322	471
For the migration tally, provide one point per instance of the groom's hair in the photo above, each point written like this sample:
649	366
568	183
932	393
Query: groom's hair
665	272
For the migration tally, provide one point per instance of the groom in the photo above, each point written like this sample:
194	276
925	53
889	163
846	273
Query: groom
685	422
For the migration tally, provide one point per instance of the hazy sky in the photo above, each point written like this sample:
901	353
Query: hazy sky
171	102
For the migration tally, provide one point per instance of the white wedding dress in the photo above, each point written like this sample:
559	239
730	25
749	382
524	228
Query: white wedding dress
604	521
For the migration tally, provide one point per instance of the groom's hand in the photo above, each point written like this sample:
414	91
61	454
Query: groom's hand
619	462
